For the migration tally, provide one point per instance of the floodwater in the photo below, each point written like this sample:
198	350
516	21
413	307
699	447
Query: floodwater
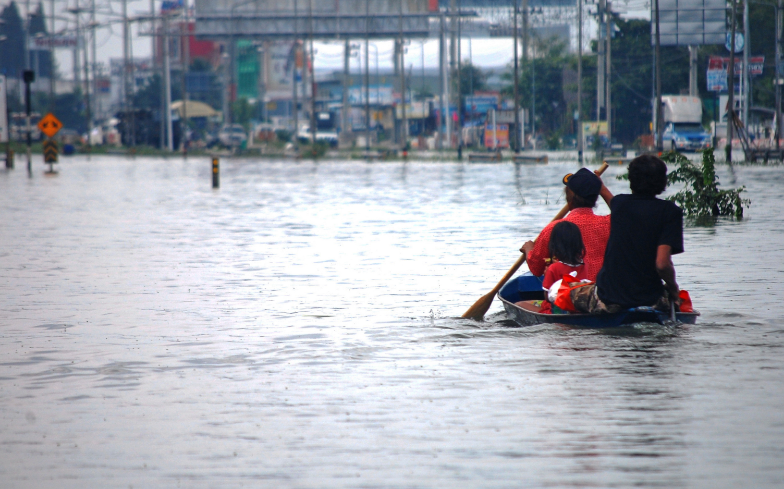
299	327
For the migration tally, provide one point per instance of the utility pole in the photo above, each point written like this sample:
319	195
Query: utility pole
346	85
367	76
452	55
402	53
580	82
608	69
312	76
601	65
442	82
459	88
777	76
185	64
125	70
295	100
87	96
658	109
516	139
94	64
51	58
76	67
693	91
167	84
27	35
447	98
525	33
745	72
730	86
524	66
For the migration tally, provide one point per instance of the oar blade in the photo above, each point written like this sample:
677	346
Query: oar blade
480	307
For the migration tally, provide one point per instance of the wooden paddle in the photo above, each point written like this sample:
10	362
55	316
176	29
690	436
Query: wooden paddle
480	307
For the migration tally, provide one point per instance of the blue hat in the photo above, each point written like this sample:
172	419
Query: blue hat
583	183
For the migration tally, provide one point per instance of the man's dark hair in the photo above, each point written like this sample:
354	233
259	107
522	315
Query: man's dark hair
566	243
578	201
647	175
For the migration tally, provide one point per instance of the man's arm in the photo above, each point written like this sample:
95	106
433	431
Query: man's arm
606	194
537	251
667	270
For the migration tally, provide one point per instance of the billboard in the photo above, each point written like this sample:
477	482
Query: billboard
718	67
480	102
52	42
690	22
501	135
286	19
414	110
279	71
377	95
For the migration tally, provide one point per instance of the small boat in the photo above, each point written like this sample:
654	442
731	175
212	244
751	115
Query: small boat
520	294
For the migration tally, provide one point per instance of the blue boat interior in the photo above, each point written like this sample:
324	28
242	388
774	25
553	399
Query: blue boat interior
524	287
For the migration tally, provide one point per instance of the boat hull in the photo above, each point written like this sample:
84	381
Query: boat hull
528	287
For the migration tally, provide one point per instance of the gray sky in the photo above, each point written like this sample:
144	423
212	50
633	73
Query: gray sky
483	52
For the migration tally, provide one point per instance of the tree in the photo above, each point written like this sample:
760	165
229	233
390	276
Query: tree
541	83
762	42
12	52
40	59
632	78
243	111
472	79
70	108
149	97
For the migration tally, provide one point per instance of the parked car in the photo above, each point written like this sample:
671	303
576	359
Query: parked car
685	136
232	135
328	137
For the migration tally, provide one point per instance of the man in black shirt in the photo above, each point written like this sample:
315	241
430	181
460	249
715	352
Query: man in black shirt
644	234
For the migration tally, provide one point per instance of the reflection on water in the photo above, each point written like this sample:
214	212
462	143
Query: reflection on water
296	328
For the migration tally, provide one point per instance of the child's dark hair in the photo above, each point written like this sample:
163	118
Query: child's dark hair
566	243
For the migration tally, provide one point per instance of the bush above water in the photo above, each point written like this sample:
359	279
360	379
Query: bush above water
701	198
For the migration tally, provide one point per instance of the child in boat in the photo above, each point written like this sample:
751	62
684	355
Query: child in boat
566	258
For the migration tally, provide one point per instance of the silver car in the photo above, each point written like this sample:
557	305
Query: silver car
232	135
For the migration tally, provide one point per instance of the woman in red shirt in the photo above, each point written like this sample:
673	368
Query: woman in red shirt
582	191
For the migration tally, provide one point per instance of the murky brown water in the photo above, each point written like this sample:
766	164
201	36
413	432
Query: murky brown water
296	328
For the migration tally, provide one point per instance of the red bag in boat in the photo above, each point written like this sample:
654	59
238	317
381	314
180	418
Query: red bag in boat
564	297
686	306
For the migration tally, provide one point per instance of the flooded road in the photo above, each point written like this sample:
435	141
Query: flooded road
297	328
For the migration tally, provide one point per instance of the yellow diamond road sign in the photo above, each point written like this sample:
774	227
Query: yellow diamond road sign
49	125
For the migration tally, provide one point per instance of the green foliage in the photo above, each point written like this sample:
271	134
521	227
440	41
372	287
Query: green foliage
12	51
315	150
151	95
553	141
632	63
68	107
702	199
242	112
472	78
541	82
283	135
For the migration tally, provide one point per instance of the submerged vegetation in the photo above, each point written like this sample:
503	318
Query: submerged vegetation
701	197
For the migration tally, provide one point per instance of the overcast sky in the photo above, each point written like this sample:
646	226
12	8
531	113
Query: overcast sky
483	52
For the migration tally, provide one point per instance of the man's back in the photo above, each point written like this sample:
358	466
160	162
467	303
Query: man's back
639	224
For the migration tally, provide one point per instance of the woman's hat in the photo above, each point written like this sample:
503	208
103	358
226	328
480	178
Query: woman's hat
583	183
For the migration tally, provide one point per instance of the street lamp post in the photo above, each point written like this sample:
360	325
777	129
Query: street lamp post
378	93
